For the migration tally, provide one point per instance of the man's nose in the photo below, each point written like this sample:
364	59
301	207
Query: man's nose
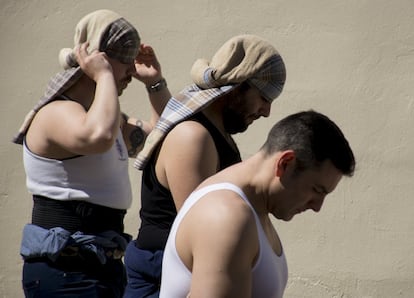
265	109
316	204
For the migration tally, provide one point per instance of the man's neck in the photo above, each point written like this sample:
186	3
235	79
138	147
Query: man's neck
215	115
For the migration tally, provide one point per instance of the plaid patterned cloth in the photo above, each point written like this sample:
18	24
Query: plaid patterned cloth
105	31
121	42
270	79
179	108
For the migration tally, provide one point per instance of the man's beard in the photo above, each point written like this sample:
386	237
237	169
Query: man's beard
234	120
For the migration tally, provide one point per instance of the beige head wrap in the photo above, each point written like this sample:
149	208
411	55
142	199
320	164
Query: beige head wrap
242	58
105	31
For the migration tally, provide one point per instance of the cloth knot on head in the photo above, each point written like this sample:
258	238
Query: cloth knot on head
243	58
106	31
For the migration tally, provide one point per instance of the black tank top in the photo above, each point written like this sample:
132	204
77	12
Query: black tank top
157	205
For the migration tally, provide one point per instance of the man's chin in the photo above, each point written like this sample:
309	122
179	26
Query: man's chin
120	91
236	130
243	129
288	217
284	217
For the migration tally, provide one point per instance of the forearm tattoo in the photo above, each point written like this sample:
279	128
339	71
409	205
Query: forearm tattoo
136	138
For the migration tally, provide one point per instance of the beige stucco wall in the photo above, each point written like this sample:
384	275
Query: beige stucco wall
353	60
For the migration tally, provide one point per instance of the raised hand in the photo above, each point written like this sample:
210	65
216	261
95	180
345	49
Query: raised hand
148	69
93	64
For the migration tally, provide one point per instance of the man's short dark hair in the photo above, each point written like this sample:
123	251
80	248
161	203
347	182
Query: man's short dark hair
314	138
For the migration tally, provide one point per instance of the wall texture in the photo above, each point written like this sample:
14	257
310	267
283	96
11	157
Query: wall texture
353	60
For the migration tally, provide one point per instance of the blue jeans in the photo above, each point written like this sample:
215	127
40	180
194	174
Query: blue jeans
71	278
143	270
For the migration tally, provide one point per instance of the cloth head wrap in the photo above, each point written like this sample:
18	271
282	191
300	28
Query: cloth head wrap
242	58
106	31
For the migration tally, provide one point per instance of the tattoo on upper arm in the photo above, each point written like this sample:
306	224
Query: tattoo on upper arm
136	138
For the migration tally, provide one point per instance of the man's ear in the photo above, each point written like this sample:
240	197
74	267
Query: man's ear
286	160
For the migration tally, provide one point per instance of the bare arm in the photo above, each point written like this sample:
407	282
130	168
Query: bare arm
148	71
218	241
135	132
187	156
102	117
64	128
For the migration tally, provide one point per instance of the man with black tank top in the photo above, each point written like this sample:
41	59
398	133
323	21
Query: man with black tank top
192	141
76	145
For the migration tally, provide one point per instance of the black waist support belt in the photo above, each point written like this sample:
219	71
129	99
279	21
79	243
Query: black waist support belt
76	216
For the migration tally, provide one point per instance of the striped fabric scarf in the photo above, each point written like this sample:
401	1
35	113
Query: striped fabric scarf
188	102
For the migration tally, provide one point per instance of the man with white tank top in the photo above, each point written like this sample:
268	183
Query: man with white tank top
223	243
76	144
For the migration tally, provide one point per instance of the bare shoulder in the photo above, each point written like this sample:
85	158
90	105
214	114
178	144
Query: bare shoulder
225	210
194	142
59	108
224	219
229	201
189	131
54	118
187	156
